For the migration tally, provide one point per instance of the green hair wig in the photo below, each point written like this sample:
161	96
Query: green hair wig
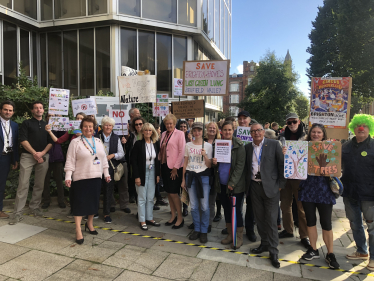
360	119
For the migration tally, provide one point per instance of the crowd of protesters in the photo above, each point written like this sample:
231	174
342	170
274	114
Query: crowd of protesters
181	158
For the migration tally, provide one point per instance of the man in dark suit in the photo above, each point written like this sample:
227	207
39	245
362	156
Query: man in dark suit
8	147
264	177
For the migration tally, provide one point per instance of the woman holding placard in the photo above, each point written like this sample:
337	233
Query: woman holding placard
196	174
230	179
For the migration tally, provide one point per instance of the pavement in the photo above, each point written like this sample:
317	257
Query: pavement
45	249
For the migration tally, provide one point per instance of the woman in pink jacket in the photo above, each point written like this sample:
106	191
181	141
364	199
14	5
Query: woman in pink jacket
171	156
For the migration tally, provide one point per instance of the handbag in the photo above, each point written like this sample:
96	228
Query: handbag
336	187
119	170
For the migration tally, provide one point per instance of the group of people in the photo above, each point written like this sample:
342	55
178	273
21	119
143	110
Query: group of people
183	160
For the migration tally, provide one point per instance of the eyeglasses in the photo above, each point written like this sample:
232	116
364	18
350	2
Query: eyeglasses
138	124
183	126
292	122
318	125
256	131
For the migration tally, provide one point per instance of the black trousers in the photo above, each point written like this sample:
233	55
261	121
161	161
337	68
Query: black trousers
324	210
56	168
108	189
227	206
249	215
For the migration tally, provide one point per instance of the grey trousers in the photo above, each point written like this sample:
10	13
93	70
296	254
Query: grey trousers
27	163
266	214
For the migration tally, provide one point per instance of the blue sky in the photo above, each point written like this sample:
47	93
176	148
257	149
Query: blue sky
275	25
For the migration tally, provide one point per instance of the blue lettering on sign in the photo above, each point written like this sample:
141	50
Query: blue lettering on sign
286	161
305	160
301	151
294	152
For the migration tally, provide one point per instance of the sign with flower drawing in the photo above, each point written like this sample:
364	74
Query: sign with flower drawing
324	158
296	160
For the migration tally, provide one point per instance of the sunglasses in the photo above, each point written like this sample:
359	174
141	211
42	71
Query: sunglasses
292	122
138	124
318	125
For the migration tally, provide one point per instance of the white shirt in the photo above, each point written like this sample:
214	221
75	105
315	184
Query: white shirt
256	153
5	126
120	153
150	153
196	163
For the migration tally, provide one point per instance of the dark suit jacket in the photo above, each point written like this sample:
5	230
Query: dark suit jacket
14	128
271	167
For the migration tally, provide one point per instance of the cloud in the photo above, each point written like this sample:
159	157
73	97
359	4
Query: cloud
239	68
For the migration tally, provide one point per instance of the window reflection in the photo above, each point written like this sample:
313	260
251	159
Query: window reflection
180	55
25	51
128	48
46	9
163	10
54	60
187	12
222	17
96	7
204	17
164	62
26	7
86	62
43	59
71	62
6	3
210	19
10	49
147	51
69	8
103	59
34	56
216	22
226	31
129	7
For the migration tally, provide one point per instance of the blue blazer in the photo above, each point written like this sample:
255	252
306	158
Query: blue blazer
14	127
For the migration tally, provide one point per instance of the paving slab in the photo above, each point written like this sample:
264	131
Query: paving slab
125	257
56	225
175	248
131	275
86	271
184	231
133	240
9	252
223	257
205	271
14	233
326	274
34	265
177	267
235	272
148	261
3	278
283	277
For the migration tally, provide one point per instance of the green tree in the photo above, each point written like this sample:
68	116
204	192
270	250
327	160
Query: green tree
272	92
302	106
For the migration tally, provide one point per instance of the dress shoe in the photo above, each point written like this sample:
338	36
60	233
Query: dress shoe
191	226
203	238
91	232
224	231
127	210
185	212
274	260
153	223
80	241
305	242
251	236
194	235
178	226
156	208
161	202
285	234
217	218
45	206
171	223
260	249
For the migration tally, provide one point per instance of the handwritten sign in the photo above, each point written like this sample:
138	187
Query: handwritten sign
137	89
121	119
161	107
206	78
188	109
296	160
59	123
87	106
59	101
222	151
244	133
74	127
178	86
324	158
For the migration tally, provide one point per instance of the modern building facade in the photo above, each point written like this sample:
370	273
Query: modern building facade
82	45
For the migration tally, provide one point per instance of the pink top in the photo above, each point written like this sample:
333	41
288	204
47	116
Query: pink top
79	161
175	149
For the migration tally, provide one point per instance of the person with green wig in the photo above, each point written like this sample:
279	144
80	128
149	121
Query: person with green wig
358	182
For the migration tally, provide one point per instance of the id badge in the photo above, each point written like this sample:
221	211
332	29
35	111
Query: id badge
150	167
96	162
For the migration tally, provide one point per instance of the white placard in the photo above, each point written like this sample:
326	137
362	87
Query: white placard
59	123
222	151
161	107
87	106
75	126
296	160
178	86
121	118
59	101
137	89
244	133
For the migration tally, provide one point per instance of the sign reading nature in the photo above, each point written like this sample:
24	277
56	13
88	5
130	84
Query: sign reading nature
296	160
137	89
324	158
205	78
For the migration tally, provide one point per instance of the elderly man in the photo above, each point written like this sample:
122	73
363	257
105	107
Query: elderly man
264	179
357	179
294	132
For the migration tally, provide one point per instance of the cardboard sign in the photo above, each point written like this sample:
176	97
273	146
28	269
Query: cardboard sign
137	89
296	160
206	78
87	106
59	123
244	133
324	158
74	127
188	109
178	86
222	151
121	118
161	106
58	101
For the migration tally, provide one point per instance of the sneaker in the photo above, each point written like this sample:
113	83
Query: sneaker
37	212
96	216
107	219
3	215
370	265
331	261
156	208
357	256
161	202
14	219
310	254
305	242
285	234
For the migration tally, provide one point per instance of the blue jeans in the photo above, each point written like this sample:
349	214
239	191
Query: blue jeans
146	194
201	223
353	210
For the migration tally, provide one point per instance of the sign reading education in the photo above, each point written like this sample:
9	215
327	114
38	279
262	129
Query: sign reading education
87	106
222	151
188	109
161	106
59	101
205	78
121	119
137	89
296	160
244	133
324	158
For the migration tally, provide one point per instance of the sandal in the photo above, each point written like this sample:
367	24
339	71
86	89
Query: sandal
143	226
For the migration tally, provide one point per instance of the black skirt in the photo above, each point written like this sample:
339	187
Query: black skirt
171	186
85	196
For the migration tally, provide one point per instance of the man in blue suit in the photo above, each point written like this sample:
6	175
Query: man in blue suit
8	147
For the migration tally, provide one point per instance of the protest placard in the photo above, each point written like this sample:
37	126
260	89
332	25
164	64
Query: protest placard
296	160
324	158
137	89
244	133
178	86
222	151
87	106
58	101
74	127
205	78
161	106
59	123
188	109
121	118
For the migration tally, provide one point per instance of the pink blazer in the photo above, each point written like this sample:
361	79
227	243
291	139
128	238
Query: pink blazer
175	149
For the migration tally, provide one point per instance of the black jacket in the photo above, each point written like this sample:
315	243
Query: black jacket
301	134
138	161
113	147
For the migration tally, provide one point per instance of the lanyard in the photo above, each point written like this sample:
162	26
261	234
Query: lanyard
94	145
149	153
167	139
259	156
6	133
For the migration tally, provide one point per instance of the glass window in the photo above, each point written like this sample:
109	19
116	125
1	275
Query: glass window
129	7
211	19
147	51
180	55
43	60
252	68
86	62
69	8
71	61
234	87
46	9
222	37
195	50
234	98
229	38
163	10
103	59
28	8
187	12
249	80
216	22
34	56
10	51
96	7
6	3
164	62
226	32
200	53
25	51
204	23
234	110
54	60
128	48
